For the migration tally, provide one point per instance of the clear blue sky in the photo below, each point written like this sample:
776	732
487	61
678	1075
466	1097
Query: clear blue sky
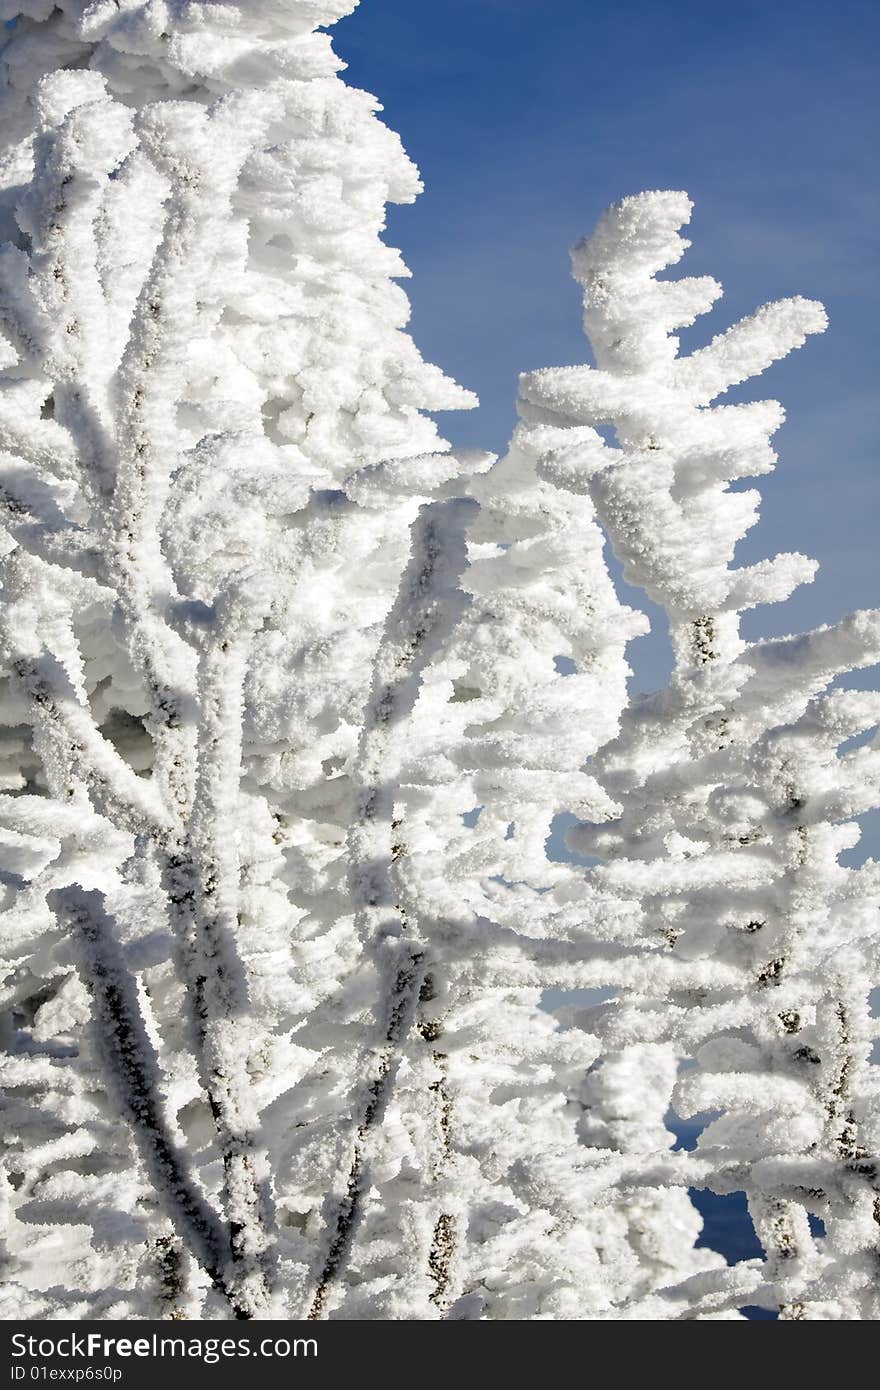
527	117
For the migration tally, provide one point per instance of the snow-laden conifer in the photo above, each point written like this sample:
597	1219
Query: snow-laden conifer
737	800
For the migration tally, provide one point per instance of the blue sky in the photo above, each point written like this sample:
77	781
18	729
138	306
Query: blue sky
527	117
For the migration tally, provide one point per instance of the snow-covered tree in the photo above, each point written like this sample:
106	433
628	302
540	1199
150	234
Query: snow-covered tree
757	948
214	453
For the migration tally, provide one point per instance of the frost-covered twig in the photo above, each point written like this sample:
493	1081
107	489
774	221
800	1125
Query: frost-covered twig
134	1079
428	604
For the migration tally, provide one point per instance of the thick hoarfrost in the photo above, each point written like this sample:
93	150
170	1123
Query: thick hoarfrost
293	697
